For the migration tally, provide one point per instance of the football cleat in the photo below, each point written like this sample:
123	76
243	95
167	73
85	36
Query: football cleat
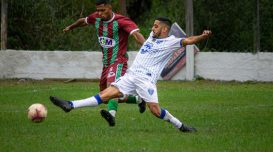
142	106
65	105
108	117
188	129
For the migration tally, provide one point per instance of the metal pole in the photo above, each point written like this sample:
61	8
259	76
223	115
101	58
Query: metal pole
189	17
189	48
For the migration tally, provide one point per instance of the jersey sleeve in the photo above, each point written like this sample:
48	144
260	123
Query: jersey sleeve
181	42
128	25
91	19
177	42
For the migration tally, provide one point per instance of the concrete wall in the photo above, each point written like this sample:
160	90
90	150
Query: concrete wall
87	65
50	64
235	66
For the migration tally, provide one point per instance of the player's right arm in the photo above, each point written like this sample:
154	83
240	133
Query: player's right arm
79	23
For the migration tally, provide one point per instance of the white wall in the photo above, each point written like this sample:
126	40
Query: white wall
50	64
235	66
87	65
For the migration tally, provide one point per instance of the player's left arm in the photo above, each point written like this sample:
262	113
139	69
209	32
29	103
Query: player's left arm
138	37
195	39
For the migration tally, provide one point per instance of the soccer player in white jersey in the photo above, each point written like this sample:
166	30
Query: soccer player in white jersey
140	79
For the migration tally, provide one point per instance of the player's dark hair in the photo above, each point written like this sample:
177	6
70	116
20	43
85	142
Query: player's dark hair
99	2
165	20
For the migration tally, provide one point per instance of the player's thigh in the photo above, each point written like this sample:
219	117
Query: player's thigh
103	78
116	70
110	93
126	85
146	90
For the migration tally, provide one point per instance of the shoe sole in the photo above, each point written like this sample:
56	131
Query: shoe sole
142	107
107	116
58	103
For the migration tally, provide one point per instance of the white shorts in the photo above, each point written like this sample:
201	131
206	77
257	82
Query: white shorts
134	85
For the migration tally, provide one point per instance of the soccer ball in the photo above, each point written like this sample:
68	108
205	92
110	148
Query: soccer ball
37	112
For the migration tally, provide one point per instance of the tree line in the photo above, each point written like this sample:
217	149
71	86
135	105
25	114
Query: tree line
38	24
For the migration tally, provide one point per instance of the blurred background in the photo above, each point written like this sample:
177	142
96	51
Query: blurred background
237	25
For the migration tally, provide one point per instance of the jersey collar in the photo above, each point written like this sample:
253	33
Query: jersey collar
114	15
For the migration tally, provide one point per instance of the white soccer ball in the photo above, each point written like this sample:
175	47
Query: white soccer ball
37	112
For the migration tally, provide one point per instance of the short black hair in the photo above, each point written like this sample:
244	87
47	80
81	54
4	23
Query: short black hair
98	2
165	20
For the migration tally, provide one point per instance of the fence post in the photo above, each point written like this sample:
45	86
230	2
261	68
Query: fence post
190	48
4	14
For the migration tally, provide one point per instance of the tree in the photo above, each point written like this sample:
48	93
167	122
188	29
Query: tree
4	16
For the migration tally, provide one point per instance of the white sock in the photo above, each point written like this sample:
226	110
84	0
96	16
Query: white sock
113	112
170	118
88	102
138	100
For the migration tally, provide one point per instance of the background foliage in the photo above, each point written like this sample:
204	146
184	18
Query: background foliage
38	24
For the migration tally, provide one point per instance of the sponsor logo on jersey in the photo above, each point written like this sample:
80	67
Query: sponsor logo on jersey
106	42
146	47
111	73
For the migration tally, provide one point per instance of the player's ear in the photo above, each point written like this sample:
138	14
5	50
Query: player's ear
165	29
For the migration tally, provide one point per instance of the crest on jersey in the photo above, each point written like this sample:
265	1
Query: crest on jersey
106	42
151	91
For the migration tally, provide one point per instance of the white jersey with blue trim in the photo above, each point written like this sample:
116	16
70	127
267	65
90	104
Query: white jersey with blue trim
153	56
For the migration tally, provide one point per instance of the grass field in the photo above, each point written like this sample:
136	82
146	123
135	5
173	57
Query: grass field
229	116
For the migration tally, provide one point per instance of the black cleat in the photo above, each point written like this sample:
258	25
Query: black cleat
108	117
185	128
65	105
142	106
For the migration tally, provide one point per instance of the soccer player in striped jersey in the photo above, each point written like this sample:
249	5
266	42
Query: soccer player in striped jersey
112	30
142	76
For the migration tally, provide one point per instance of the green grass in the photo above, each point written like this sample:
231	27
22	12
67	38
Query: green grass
229	116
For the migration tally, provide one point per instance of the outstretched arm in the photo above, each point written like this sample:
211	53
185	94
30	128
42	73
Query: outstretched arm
138	37
195	39
79	23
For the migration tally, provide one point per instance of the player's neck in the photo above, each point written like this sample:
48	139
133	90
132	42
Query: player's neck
163	36
110	17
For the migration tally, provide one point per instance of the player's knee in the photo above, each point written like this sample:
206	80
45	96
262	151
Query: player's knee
109	93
